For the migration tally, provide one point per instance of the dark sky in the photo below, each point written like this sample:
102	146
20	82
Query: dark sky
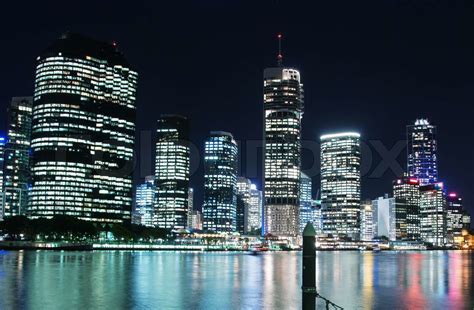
370	66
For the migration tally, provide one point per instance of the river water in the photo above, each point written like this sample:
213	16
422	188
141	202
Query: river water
191	280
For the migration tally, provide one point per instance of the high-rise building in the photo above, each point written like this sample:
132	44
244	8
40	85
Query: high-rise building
3	140
83	131
255	209
432	214
253	200
457	218
283	111
220	182
307	209
406	191
190	207
367	223
241	216
144	202
317	217
16	173
196	220
422	152
340	184
172	172
385	217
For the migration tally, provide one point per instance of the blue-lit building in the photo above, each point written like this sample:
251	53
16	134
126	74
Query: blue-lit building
16	171
308	210
144	202
220	183
422	150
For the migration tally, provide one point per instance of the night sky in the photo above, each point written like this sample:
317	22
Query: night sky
372	67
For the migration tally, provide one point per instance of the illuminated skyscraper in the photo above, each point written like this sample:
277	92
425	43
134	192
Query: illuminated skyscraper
220	183
367	227
253	200
190	207
432	214
16	173
340	184
283	111
307	209
384	217
422	152
406	192
457	218
172	172
83	131
144	202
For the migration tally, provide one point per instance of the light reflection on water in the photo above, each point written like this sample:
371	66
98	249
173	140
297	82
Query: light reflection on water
179	280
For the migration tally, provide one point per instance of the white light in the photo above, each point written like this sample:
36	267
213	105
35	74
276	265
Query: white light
341	134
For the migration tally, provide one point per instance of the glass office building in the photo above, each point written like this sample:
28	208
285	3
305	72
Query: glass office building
172	172
16	171
144	202
83	131
340	184
220	183
283	111
432	214
406	191
422	152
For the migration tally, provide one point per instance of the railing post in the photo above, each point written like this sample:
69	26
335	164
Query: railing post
309	268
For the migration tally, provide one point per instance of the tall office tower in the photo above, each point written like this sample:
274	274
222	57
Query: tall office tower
172	172
385	217
253	199
422	152
220	183
255	209
406	192
367	228
144	201
196	220
317	218
2	149
283	111
190	207
432	214
83	131
241	215
16	173
307	210
340	184
457	218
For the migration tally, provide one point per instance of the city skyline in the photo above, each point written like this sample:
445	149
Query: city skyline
326	92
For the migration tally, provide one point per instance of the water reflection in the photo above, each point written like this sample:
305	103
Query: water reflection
168	280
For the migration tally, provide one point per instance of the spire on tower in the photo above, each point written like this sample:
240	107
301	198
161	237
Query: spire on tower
280	55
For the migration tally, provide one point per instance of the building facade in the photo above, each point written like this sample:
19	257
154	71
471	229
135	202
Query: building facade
190	207
253	199
432	214
220	183
406	191
283	111
83	131
145	196
457	218
16	172
367	223
422	151
172	172
3	141
385	217
307	208
341	184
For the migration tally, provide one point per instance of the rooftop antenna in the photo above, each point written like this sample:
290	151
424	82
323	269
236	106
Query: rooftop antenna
280	55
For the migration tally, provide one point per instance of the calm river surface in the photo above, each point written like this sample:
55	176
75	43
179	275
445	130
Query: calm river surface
186	280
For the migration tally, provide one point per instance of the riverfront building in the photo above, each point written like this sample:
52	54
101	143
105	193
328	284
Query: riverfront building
432	214
367	223
220	183
172	172
16	171
283	111
83	131
144	202
406	191
422	152
340	184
